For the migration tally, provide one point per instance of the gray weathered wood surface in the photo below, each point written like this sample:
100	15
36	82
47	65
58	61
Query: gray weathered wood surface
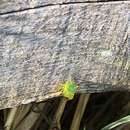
45	46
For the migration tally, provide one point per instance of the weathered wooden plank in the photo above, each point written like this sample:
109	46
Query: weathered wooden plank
41	48
17	5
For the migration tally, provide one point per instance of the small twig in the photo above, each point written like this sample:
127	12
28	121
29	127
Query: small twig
29	120
79	111
22	112
58	115
5	112
10	118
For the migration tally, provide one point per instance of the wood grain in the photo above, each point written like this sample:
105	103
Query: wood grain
44	47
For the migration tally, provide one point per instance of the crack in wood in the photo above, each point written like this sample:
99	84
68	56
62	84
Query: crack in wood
64	3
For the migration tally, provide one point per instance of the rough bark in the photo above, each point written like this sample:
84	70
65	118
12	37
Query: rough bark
43	47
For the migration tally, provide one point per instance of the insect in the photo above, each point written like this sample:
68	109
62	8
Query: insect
68	89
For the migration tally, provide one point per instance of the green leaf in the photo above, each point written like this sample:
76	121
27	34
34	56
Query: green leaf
117	123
